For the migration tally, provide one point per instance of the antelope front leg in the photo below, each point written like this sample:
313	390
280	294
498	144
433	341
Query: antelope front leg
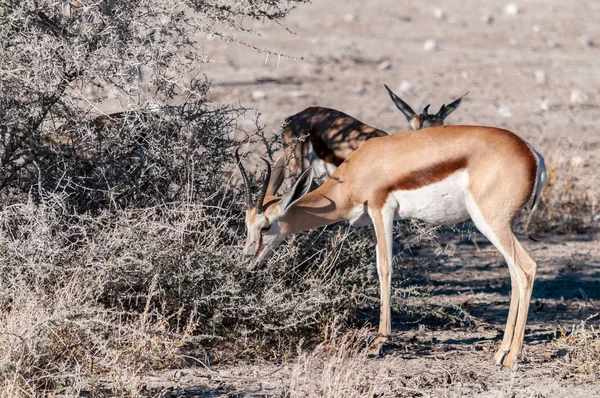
382	221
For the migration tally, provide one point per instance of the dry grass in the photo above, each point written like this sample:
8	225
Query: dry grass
338	367
579	350
91	301
566	205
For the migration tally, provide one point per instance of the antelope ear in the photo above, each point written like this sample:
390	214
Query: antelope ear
445	110
300	188
403	106
277	176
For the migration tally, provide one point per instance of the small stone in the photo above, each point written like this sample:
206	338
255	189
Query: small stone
438	13
576	161
536	28
298	94
505	111
359	90
464	74
350	18
385	65
431	45
545	105
540	77
259	95
405	86
586	41
578	96
487	19
552	44
511	9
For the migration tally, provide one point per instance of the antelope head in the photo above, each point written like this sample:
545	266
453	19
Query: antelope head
264	232
425	119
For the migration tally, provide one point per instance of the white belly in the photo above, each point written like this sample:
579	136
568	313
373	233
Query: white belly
442	203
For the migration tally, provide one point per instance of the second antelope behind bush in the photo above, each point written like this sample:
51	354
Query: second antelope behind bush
326	137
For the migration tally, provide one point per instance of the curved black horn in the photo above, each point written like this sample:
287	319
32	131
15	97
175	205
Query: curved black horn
263	192
426	110
249	204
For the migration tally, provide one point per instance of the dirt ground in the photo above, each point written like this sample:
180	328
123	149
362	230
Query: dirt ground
536	73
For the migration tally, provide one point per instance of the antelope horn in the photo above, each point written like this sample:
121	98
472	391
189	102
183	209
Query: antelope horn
426	110
249	204
263	192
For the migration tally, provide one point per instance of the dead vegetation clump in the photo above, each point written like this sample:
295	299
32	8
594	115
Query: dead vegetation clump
95	300
579	350
337	367
565	206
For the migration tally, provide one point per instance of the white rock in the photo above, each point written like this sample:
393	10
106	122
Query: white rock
431	45
545	105
350	18
359	90
464	74
385	65
578	96
505	111
259	95
576	160
298	94
487	19
438	13
586	41
540	77
405	86
511	9
536	28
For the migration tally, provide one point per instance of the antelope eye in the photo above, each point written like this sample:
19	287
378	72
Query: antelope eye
265	228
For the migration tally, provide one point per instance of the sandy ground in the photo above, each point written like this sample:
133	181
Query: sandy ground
536	73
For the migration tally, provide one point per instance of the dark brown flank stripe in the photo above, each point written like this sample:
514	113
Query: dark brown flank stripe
420	178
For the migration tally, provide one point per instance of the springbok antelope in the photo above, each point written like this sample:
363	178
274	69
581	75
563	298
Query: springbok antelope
326	137
442	175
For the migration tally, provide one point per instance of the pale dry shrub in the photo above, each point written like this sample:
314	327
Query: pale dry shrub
579	350
90	301
338	367
566	205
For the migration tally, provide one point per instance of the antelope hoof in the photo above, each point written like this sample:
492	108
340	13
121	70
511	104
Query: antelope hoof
499	356
376	345
510	360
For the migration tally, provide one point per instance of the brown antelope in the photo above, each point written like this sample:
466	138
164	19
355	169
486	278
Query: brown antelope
326	137
442	175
